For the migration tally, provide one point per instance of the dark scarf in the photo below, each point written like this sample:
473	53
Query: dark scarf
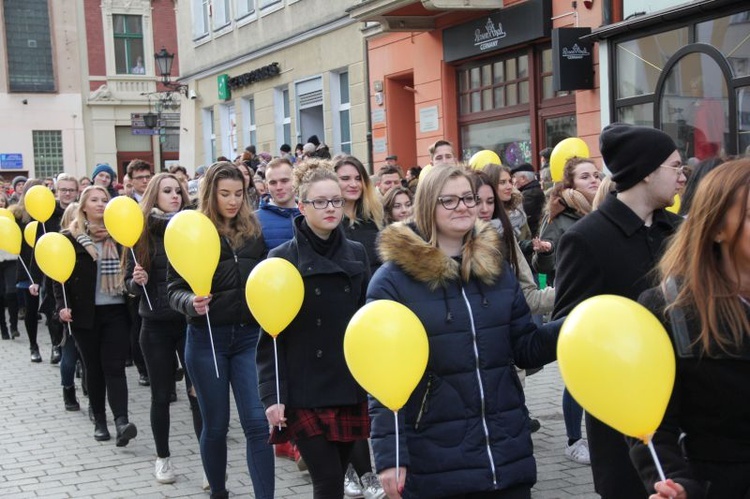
324	247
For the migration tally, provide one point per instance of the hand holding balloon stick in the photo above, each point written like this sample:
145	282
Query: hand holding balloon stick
274	294
57	259
10	239
386	349
618	363
124	222
193	249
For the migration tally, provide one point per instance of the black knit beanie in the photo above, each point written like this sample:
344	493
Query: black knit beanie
632	152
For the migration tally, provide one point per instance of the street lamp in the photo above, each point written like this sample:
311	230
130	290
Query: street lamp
150	119
164	62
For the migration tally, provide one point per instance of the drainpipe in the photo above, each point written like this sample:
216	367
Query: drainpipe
366	58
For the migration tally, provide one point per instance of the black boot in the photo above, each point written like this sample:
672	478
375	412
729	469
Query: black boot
56	355
101	433
224	494
125	431
35	356
69	397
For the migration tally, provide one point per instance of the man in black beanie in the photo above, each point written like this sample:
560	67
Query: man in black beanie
613	251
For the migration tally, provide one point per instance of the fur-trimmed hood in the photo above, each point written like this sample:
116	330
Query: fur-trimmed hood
481	258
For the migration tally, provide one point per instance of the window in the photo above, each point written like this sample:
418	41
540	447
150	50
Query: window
342	107
248	119
267	3
494	85
201	12
209	136
640	62
221	13
128	32
726	34
547	88
283	117
48	152
228	131
29	46
245	8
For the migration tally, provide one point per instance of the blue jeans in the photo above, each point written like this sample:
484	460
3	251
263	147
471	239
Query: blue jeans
573	415
235	355
68	360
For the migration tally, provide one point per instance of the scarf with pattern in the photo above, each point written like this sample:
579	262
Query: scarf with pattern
109	259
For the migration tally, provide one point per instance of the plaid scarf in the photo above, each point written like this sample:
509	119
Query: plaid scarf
109	260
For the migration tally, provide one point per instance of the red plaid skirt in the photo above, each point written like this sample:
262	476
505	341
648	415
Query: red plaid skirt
336	424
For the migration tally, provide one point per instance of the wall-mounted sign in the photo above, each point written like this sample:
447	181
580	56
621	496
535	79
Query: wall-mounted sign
572	59
255	75
222	82
503	28
379	146
428	119
378	116
13	161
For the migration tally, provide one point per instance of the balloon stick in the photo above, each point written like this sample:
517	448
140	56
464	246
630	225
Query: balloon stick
65	302
26	269
213	348
148	300
276	364
656	460
398	470
44	229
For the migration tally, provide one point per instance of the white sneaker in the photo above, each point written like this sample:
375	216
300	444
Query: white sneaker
372	487
207	486
352	486
578	452
164	471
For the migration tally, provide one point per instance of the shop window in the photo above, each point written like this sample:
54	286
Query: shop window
128	33
730	35
283	118
209	136
228	118
743	120
510	138
559	128
342	122
48	152
28	46
248	120
640	62
494	85
637	114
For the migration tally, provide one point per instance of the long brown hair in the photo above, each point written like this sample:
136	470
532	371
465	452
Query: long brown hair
694	258
368	206
564	194
244	225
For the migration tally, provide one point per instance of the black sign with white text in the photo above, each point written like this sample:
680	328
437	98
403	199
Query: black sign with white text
572	59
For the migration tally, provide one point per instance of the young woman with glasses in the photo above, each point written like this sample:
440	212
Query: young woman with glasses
464	431
322	408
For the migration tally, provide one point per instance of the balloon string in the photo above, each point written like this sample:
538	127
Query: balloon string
656	460
148	300
65	302
26	269
213	348
398	470
278	391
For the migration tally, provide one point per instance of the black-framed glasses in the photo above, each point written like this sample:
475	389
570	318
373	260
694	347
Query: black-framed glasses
322	204
451	202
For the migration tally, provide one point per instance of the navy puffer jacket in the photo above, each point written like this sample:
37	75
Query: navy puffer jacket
466	427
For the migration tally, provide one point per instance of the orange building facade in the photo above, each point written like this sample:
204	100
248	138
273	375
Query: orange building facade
480	78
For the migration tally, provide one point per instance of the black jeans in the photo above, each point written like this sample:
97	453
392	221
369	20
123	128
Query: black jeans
8	297
135	331
520	492
30	321
327	462
159	340
104	348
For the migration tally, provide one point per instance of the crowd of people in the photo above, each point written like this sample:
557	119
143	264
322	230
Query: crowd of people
490	260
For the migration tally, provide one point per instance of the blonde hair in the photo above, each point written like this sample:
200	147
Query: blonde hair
368	206
426	199
310	171
244	225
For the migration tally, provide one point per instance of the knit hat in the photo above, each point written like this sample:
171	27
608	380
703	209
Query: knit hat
103	167
18	179
632	153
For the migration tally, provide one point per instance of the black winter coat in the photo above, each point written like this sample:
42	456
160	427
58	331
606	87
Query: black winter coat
365	233
533	205
465	427
157	275
710	404
228	305
312	369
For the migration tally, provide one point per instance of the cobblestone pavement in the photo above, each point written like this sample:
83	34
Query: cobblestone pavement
47	452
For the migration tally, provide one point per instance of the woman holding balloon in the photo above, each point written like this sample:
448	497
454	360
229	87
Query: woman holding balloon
464	431
221	344
321	407
704	302
94	307
162	328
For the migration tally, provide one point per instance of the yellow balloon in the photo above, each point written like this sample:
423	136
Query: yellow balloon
192	245
124	220
29	232
10	236
386	349
563	151
274	294
676	204
617	361
5	213
56	256
483	158
39	202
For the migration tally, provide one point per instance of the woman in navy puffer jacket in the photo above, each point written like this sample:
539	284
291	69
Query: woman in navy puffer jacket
465	429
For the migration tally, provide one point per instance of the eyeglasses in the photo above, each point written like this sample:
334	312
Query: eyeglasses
680	169
322	204
67	191
452	202
142	177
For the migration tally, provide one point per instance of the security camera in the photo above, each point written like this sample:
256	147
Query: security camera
192	95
